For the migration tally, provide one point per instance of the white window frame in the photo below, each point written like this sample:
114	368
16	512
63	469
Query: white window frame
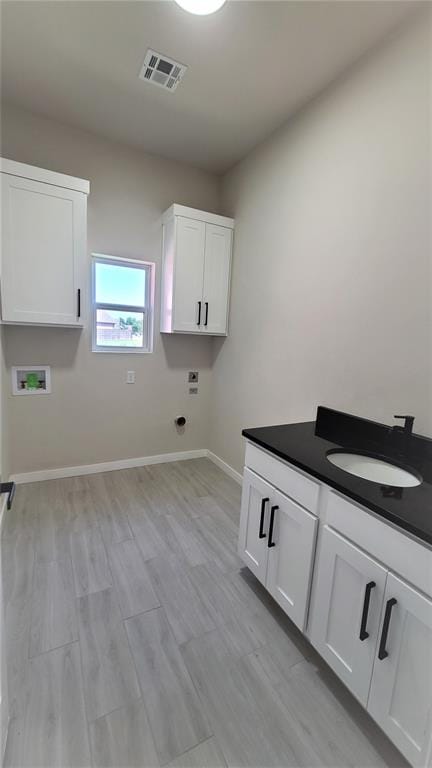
147	309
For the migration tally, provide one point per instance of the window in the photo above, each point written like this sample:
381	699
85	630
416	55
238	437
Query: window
122	304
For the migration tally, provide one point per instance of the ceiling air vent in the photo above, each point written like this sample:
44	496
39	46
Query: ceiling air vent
162	71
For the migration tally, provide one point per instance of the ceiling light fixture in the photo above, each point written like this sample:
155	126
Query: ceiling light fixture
201	7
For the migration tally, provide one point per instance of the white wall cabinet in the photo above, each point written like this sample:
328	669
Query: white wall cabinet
216	284
363	596
276	541
43	247
197	251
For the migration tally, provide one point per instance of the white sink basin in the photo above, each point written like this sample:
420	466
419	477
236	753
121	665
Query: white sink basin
373	469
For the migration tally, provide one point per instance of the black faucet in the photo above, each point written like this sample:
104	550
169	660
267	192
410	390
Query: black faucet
403	433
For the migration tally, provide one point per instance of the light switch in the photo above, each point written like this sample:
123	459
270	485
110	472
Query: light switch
130	377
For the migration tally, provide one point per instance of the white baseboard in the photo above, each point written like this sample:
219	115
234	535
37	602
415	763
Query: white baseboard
225	467
106	466
111	466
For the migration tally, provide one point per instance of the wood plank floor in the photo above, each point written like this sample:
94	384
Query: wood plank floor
136	638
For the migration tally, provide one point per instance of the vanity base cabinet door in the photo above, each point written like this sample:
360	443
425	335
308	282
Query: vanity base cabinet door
346	611
290	560
400	698
254	524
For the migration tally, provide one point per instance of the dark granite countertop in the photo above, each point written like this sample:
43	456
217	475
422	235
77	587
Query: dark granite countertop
305	446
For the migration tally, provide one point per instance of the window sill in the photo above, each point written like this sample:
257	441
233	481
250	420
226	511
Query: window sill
123	351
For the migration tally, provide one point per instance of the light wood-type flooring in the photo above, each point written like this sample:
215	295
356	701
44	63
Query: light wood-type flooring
136	637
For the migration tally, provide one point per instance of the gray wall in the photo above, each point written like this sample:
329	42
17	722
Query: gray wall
331	291
92	414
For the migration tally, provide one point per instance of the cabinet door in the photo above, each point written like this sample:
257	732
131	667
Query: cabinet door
291	552
189	275
43	252
349	591
216	279
254	519
290	559
400	698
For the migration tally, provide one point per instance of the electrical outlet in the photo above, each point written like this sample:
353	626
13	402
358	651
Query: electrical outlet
130	377
193	390
193	377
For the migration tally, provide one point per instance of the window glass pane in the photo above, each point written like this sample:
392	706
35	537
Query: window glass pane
120	285
119	329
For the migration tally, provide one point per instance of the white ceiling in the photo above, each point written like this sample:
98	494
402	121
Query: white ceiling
251	65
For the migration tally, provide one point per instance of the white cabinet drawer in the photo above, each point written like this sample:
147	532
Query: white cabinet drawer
290	481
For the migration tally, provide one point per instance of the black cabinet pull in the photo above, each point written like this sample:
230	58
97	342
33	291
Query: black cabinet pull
199	313
79	303
261	534
272	516
8	488
364	634
206	313
382	653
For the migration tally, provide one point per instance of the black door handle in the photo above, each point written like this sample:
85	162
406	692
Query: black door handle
206	314
382	653
199	313
364	634
272	516
79	303
261	534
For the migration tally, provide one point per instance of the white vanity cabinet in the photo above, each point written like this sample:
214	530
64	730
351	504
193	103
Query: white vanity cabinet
277	541
43	246
400	698
375	631
363	595
197	251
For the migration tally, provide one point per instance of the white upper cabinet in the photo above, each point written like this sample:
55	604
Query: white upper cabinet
197	250
43	247
217	266
189	271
